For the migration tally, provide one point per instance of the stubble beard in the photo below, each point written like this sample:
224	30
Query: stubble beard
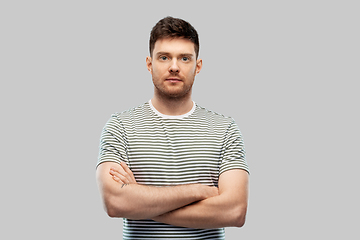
164	93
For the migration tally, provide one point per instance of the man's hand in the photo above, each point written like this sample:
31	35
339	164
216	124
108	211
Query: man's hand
228	209
219	207
122	174
137	201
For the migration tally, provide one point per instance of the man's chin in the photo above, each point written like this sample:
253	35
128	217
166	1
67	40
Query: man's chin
175	94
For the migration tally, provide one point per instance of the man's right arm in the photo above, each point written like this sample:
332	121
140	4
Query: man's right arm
135	201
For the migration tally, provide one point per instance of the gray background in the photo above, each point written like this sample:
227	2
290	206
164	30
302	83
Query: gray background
287	71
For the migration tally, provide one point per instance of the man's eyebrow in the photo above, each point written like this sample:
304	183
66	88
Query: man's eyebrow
186	55
181	55
161	53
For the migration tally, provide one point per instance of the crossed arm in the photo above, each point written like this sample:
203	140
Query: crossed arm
193	205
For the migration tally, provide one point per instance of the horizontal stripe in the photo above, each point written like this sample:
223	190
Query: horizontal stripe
169	151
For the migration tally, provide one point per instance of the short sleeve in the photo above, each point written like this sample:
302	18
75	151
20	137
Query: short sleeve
113	143
233	156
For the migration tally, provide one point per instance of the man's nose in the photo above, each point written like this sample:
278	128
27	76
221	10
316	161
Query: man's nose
174	67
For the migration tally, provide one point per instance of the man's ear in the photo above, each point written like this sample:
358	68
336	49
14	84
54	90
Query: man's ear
198	66
149	64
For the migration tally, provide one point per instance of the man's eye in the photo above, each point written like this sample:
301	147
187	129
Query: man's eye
185	59
163	58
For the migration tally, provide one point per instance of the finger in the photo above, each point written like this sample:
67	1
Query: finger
119	170
119	177
128	171
116	179
122	174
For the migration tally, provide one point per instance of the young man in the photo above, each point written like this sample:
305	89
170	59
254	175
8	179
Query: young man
171	168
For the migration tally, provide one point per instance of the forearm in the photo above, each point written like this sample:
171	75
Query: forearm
214	212
224	210
136	201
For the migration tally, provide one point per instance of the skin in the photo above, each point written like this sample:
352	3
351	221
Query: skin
228	208
126	199
173	67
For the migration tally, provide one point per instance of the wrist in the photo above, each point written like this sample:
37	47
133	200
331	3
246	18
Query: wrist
203	191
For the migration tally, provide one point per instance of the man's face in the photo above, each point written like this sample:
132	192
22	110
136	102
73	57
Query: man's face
173	67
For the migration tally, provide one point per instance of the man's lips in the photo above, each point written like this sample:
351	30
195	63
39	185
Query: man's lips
173	79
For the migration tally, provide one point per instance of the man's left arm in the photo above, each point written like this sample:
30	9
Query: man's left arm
228	209
225	210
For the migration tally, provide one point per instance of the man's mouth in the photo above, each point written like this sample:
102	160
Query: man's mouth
174	80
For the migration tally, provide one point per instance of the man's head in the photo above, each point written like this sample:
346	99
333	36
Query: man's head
170	27
173	63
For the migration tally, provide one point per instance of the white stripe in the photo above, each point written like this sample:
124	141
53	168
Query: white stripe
160	150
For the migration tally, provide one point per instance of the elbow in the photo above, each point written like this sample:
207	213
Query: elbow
240	222
112	209
239	217
116	208
112	212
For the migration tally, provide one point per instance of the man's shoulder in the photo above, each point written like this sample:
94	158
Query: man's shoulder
131	111
213	115
129	116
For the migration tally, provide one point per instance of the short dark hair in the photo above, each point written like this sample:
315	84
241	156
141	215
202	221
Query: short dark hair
170	27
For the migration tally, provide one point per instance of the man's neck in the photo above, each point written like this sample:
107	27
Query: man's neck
172	106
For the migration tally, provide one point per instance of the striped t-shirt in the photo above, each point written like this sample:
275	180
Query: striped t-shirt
164	150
